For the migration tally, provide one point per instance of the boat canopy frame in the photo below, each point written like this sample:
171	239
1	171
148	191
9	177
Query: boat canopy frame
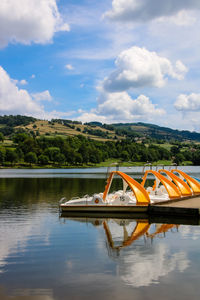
170	187
193	183
182	185
141	227
141	195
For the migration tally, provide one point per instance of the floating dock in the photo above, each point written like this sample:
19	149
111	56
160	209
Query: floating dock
183	207
187	208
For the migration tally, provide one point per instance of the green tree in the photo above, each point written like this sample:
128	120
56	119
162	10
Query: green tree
125	155
19	137
179	158
20	154
43	159
78	158
187	155
196	158
2	155
1	137
29	145
83	150
164	153
59	158
174	150
11	155
31	158
143	154
52	152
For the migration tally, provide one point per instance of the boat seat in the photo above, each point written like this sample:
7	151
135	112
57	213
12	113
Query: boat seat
150	190
161	190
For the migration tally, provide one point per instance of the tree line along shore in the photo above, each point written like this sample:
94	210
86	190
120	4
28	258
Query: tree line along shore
25	150
29	142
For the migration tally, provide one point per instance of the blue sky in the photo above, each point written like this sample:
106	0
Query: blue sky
109	61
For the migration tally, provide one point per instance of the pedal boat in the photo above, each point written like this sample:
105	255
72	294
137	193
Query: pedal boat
134	197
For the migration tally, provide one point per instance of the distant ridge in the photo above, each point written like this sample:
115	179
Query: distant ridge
159	132
150	130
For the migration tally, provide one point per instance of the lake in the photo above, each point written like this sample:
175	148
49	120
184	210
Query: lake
44	256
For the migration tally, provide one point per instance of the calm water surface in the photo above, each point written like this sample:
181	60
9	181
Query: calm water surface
45	256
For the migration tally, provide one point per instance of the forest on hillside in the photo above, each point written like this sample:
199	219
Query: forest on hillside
19	147
79	150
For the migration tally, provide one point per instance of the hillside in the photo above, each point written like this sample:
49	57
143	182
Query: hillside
141	131
56	127
158	132
94	130
63	128
25	141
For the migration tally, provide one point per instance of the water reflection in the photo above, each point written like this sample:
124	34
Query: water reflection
140	268
141	264
45	256
141	228
15	192
28	294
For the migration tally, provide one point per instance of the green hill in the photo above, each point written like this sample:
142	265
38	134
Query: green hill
25	141
157	132
95	130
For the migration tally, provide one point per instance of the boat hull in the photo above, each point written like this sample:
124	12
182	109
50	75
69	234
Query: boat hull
105	208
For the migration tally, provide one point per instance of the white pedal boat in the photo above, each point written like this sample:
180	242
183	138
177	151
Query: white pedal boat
134	196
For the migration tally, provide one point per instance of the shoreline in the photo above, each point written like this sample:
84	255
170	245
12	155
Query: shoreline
108	163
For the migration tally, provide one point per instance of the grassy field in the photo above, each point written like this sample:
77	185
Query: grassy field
167	146
57	129
107	163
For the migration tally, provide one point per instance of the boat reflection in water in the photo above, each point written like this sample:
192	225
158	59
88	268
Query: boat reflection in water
141	257
142	228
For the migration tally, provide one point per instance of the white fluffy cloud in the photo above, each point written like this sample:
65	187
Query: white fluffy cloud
43	96
14	100
145	10
138	67
138	271
27	21
182	18
123	106
18	101
23	82
188	102
140	265
120	107
69	67
20	82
